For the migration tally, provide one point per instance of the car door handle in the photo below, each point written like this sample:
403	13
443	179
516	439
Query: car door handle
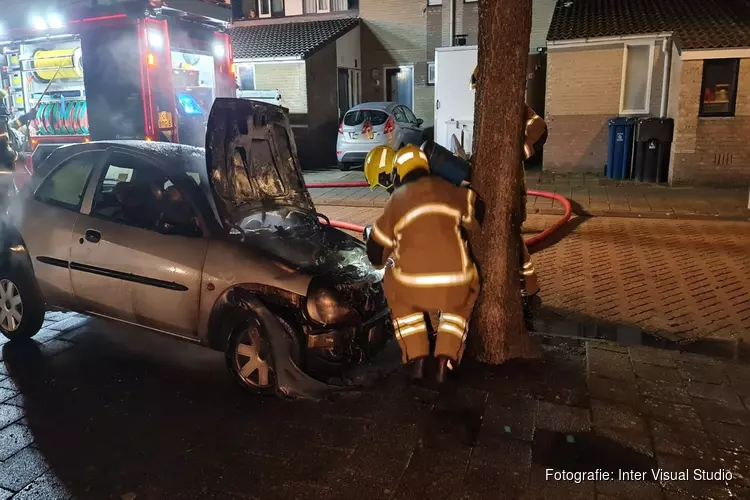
93	236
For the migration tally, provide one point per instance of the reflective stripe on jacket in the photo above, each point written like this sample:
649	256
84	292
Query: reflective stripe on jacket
421	228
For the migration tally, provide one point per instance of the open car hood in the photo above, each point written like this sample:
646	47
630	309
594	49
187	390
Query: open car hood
252	160
298	239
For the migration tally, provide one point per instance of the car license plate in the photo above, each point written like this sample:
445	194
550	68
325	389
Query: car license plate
165	120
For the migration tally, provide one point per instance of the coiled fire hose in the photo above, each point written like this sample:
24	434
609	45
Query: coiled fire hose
531	192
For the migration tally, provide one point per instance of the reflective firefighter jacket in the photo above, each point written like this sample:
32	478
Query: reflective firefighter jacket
421	228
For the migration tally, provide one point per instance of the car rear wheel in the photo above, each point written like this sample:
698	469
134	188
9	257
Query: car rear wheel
345	166
248	354
21	306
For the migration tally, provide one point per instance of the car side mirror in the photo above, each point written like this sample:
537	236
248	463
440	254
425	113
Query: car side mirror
367	232
419	122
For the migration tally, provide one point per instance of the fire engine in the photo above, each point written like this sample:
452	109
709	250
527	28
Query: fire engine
131	69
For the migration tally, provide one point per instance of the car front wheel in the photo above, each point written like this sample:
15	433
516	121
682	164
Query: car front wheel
248	354
21	306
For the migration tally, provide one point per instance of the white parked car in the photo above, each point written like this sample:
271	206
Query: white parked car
373	124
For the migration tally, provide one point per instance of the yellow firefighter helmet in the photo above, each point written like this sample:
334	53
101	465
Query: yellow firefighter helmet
474	77
379	167
410	158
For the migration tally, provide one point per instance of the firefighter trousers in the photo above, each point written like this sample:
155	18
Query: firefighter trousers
412	306
529	280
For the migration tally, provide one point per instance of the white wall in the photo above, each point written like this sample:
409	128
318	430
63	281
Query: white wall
541	17
348	51
293	8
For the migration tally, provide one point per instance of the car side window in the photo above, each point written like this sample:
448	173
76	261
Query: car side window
66	185
409	115
400	115
135	193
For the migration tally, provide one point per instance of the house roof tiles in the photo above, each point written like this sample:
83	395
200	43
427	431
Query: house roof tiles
697	24
292	39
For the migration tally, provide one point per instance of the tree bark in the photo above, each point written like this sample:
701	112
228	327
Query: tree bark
499	330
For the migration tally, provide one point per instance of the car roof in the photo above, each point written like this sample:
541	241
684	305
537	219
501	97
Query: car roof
168	150
381	105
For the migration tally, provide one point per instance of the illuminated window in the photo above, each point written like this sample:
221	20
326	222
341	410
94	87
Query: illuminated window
719	89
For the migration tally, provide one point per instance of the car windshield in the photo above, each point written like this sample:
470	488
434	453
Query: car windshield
358	117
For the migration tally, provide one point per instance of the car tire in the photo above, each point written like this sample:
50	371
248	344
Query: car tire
344	167
248	352
21	304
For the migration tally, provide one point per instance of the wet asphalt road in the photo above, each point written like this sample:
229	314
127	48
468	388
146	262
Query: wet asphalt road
106	412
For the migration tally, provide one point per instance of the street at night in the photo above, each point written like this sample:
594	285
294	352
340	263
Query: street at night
375	250
103	411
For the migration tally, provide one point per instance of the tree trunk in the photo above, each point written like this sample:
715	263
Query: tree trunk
499	330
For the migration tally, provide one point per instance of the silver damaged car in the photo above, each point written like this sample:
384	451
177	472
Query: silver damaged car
223	248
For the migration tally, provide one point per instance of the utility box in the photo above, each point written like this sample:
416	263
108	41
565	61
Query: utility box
454	97
653	141
620	147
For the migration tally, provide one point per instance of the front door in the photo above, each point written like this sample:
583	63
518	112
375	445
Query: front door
344	91
48	220
139	252
399	85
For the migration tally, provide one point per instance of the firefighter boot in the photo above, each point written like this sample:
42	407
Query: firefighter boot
411	332
530	282
443	367
416	370
527	315
450	342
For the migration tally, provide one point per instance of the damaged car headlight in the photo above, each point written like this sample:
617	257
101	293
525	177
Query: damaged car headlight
324	306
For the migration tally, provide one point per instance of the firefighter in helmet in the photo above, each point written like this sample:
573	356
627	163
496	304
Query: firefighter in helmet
535	135
422	229
379	167
9	144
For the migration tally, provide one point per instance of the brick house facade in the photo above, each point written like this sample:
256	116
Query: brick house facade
596	68
305	61
710	150
407	32
582	93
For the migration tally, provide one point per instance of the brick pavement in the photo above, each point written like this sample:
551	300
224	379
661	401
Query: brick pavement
681	280
592	195
101	413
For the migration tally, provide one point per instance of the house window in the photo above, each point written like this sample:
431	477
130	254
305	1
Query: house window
719	94
635	93
434	2
264	8
323	5
431	73
246	76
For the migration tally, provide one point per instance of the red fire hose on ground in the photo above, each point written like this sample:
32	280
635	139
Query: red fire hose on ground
530	241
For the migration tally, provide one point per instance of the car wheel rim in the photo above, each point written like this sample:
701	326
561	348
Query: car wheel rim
253	358
11	306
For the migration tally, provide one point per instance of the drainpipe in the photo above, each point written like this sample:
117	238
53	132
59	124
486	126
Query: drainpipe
667	50
452	21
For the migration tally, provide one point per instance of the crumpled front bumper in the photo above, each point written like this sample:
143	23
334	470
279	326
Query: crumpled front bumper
369	336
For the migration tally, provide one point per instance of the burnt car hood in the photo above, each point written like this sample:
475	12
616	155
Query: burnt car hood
252	160
295	237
